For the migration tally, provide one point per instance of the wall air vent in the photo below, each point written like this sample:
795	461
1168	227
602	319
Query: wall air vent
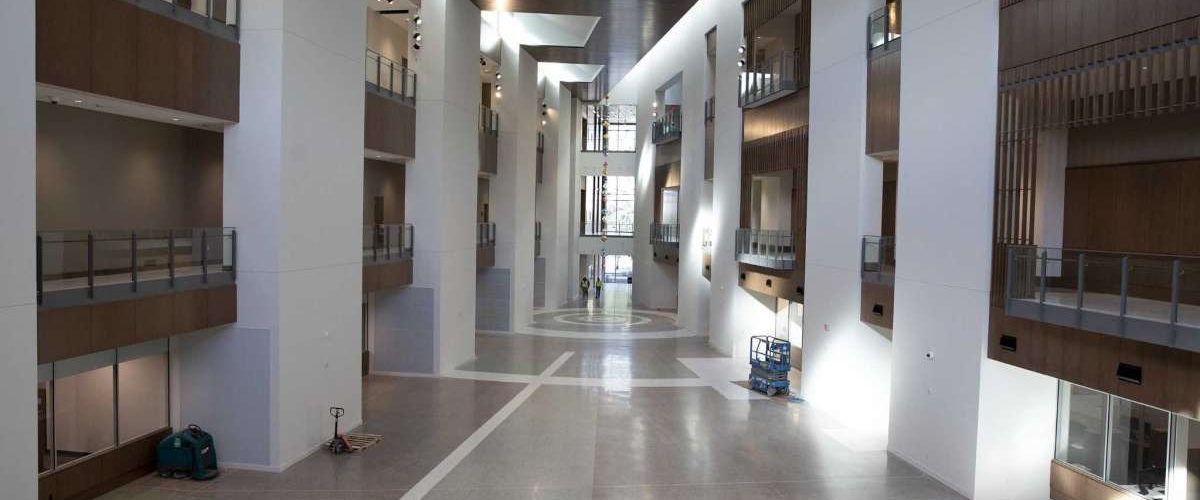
742	277
877	310
1008	343
768	283
1130	374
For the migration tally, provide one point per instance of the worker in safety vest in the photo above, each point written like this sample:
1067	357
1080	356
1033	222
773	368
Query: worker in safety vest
584	285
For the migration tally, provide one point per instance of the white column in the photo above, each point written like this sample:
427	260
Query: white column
514	186
555	192
847	364
952	410
442	184
18	309
293	188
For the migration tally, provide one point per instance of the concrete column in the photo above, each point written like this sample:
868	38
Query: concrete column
436	315
293	188
18	308
847	364
555	192
510	283
984	429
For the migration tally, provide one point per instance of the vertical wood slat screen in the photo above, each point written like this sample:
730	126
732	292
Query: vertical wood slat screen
759	12
787	150
1150	73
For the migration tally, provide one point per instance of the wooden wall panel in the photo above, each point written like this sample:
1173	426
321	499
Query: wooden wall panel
883	101
785	114
190	311
224	76
1069	484
772	283
485	257
1032	30
222	305
114	49
390	126
113	325
104	472
155	317
488	153
157	43
1142	208
64	333
188	90
873	295
64	43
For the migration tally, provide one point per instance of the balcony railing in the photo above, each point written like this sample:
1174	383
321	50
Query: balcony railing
489	121
879	259
710	109
665	234
614	229
541	142
883	25
390	78
537	239
217	16
74	267
1147	297
387	242
773	249
668	127
485	236
774	77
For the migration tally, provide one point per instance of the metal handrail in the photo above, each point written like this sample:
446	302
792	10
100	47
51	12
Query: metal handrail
135	254
710	108
771	248
610	229
878	258
385	242
669	125
1033	273
489	120
665	234
485	235
389	77
771	76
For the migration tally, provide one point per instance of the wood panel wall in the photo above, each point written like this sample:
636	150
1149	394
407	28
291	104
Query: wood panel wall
68	332
779	116
390	126
1032	30
104	472
1144	208
488	153
876	304
113	48
1169	376
388	275
883	101
1069	484
759	12
772	283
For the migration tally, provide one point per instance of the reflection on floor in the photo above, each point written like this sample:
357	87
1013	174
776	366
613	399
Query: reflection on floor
552	417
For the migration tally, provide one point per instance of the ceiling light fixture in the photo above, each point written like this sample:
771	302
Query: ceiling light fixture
499	88
417	36
543	123
175	118
741	49
498	94
499	76
417	20
78	101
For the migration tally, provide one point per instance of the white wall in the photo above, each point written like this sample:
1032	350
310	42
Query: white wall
683	50
18	310
514	186
553	194
847	364
301	118
949	411
443	175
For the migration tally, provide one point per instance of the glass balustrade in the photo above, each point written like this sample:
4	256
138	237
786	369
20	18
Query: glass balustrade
879	259
391	78
387	242
769	248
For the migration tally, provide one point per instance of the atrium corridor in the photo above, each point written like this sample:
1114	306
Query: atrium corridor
592	401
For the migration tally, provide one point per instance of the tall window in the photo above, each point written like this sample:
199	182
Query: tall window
619	206
622	127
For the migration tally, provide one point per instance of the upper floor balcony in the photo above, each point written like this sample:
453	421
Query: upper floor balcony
883	25
181	58
390	124
772	78
878	295
101	290
1151	298
665	234
883	82
387	256
489	134
485	245
669	126
879	260
390	78
610	229
537	239
541	156
767	248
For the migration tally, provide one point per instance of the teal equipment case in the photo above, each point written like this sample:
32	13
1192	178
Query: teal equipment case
188	453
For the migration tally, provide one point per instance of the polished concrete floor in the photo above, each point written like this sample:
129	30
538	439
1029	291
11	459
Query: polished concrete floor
548	416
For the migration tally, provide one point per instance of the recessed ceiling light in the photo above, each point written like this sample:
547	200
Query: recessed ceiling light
174	118
78	101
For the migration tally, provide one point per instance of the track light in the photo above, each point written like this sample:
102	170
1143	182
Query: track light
499	76
741	63
417	46
417	20
543	122
498	94
417	37
741	49
499	88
